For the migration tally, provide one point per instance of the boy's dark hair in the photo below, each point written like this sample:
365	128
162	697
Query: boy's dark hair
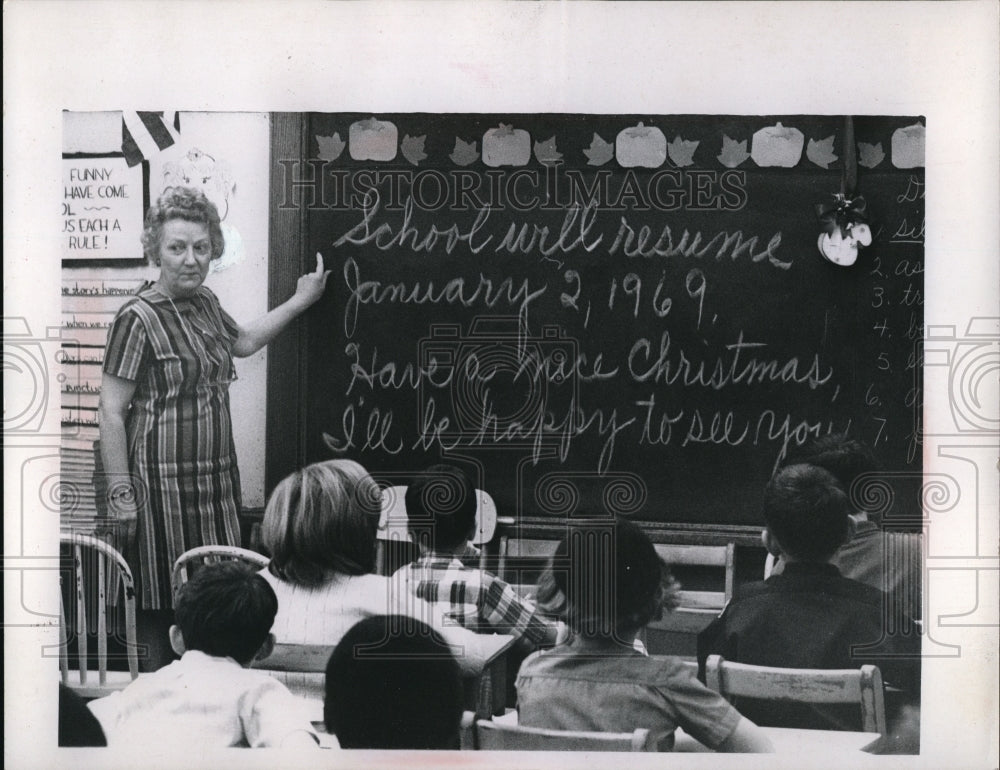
606	580
846	458
393	683
226	610
441	507
806	509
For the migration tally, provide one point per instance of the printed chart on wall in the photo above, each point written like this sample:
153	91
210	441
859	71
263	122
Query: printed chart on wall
631	314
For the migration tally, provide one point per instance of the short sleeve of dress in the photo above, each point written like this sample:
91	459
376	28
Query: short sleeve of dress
704	714
127	346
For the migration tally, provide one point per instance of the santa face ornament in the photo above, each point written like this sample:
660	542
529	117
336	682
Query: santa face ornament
842	249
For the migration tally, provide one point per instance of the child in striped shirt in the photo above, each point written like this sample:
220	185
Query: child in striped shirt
441	513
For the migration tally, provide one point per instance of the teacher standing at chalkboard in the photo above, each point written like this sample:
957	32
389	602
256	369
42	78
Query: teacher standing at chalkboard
166	429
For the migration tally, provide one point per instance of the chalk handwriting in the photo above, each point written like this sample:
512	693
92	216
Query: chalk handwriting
456	291
914	191
719	246
669	367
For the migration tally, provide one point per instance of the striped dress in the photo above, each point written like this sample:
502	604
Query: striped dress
179	429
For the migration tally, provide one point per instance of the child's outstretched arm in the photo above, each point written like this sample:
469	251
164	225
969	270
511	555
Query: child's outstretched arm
746	738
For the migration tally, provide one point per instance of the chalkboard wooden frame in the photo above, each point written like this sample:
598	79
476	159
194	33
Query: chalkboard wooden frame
286	362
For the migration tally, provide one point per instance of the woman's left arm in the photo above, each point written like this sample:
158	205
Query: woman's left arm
261	331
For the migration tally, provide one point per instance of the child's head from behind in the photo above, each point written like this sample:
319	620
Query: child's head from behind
393	683
806	510
846	458
322	520
441	508
225	610
607	581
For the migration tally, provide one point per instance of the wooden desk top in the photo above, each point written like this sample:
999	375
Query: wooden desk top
474	653
787	740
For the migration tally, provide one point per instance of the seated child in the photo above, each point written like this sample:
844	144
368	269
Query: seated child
607	583
889	560
810	616
441	513
210	698
393	683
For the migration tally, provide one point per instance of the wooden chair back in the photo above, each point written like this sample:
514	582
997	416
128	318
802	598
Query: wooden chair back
94	593
859	686
537	550
393	524
487	735
301	658
697	607
721	556
210	554
676	630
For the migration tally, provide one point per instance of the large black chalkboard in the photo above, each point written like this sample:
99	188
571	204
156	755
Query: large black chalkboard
586	335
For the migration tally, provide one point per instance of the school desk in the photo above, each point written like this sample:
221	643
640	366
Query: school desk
805	743
482	659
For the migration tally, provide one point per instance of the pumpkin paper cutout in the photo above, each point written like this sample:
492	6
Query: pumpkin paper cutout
681	151
821	152
640	145
870	155
464	153
506	146
372	139
412	148
777	145
599	152
546	151
330	147
733	152
908	146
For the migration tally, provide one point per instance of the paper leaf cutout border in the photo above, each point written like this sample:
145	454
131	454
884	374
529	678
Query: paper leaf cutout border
546	151
821	152
412	148
599	152
870	155
681	151
464	153
330	147
733	152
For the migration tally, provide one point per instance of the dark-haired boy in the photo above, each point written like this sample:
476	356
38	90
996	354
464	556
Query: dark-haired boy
441	514
810	616
890	560
210	698
393	683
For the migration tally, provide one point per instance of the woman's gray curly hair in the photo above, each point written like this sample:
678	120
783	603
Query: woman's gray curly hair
181	203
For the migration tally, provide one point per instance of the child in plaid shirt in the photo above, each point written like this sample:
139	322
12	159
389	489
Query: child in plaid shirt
441	510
